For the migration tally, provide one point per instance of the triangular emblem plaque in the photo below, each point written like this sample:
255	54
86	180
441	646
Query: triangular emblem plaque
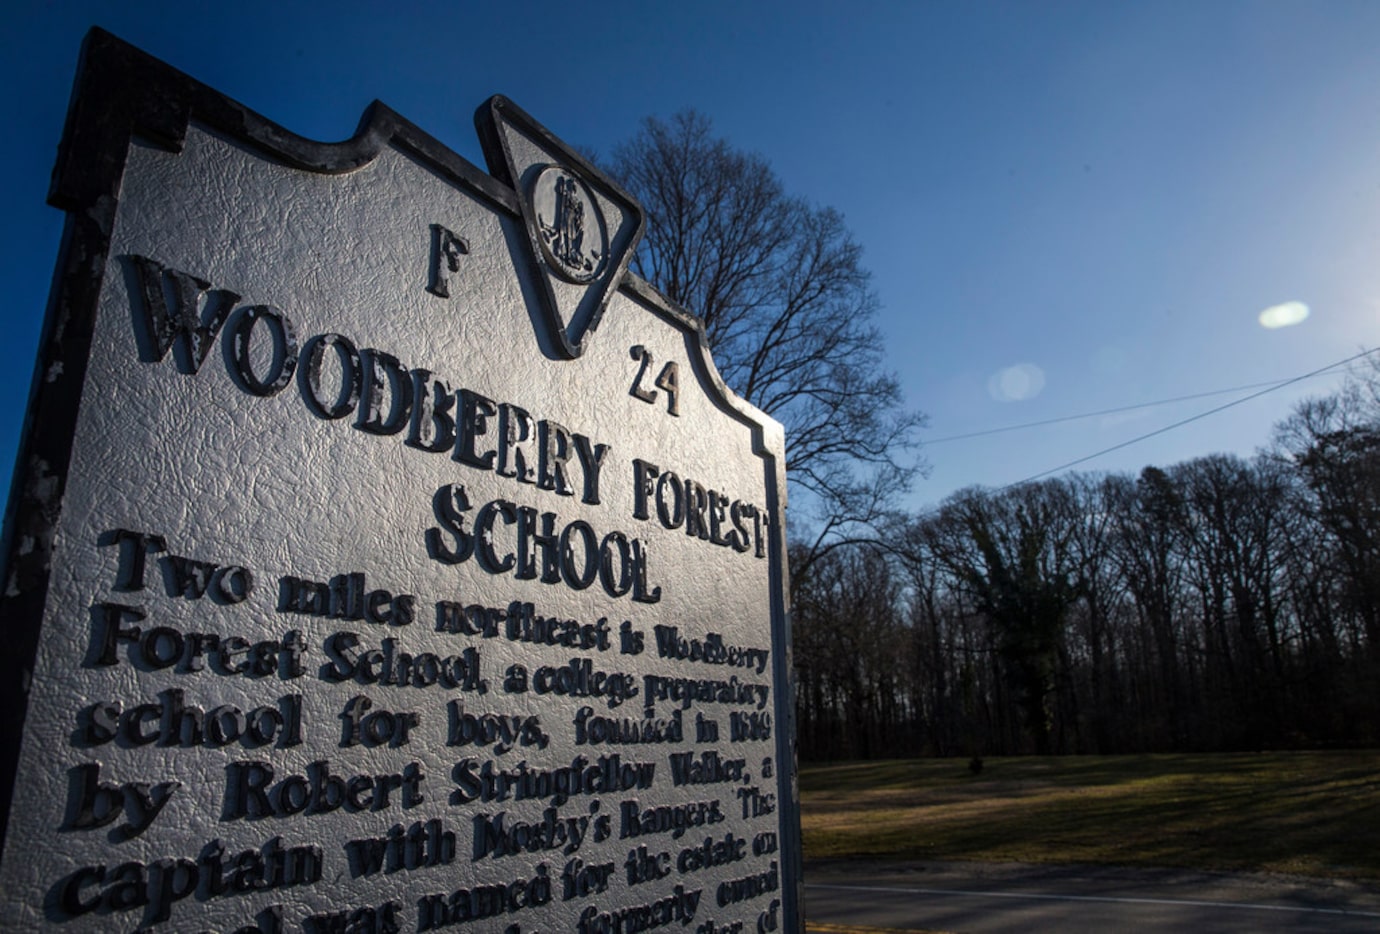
581	227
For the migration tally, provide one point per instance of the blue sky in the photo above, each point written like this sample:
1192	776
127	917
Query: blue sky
1066	207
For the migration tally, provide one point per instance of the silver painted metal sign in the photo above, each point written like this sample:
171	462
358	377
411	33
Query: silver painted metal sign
383	556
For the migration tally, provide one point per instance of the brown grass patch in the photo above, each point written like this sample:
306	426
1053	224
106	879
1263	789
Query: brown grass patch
1310	813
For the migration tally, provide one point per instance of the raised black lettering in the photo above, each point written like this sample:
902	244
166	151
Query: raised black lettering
134	547
278	360
186	328
384	379
446	250
449	504
309	376
433	427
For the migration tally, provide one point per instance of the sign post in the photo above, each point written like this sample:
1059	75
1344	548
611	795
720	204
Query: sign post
382	555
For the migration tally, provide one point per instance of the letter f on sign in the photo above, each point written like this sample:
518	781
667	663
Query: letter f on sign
446	250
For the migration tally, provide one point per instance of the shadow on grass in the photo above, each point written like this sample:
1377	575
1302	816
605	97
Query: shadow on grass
1311	813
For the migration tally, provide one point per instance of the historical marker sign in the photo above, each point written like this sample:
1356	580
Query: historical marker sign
383	556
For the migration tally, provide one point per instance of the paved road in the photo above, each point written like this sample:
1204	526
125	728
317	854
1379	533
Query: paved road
978	898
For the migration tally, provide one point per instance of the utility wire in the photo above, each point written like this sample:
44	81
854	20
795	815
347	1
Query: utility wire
1275	384
1193	418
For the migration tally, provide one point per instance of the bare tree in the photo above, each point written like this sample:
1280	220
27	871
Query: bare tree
788	311
1221	603
1334	444
1150	519
853	696
1012	553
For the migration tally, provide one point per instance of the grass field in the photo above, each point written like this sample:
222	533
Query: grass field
1310	813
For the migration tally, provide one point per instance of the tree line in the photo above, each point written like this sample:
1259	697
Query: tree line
1224	603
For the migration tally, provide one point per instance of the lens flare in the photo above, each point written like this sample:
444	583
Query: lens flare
1283	316
1016	383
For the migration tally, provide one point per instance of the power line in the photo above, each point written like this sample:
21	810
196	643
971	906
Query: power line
1193	418
1275	384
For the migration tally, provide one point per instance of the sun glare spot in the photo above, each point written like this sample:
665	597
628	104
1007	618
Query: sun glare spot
1283	316
1016	383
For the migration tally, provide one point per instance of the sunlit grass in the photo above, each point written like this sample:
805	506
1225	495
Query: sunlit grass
1314	813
